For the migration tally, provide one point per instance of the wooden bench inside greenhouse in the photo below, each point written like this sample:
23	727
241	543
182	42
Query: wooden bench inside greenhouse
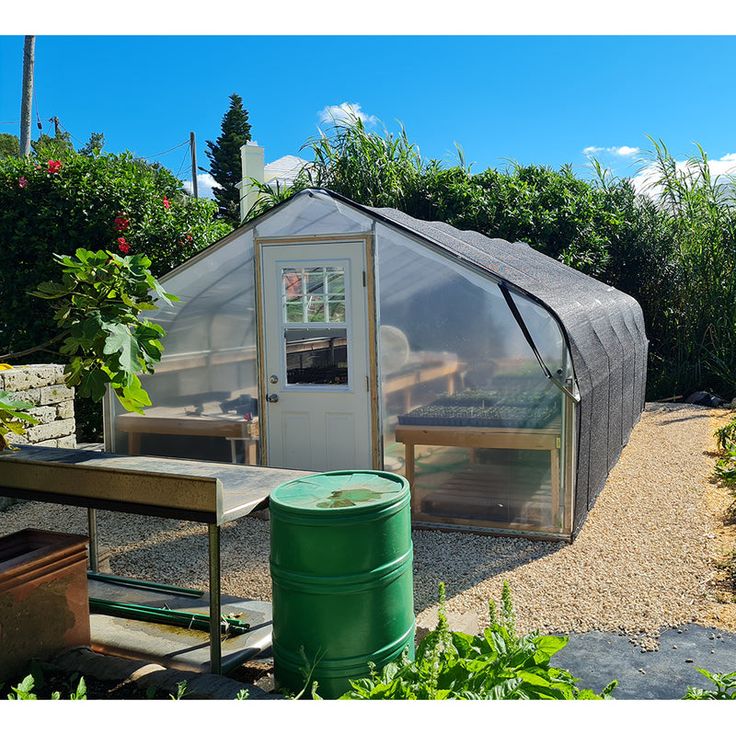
481	437
175	422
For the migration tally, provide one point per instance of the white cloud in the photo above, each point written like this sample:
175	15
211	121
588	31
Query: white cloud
645	181
624	150
345	113
205	184
615	150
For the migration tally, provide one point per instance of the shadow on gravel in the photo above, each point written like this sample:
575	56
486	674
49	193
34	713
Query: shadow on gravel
462	560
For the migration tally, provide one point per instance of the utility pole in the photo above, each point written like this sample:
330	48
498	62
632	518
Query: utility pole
193	149
29	48
55	120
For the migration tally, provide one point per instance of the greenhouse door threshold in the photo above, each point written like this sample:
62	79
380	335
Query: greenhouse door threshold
315	358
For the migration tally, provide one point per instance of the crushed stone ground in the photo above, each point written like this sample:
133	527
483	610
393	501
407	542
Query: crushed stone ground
647	557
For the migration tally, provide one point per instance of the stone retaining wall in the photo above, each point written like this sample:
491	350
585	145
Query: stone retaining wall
53	403
53	406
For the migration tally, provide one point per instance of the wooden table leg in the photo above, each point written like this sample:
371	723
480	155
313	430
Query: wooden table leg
555	482
134	443
251	452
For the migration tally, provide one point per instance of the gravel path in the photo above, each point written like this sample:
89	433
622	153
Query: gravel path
645	559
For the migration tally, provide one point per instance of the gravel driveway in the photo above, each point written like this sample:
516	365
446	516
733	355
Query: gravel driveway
645	559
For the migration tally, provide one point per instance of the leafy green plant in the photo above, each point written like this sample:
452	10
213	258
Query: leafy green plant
104	338
726	435
181	691
496	664
726	466
13	418
725	687
24	690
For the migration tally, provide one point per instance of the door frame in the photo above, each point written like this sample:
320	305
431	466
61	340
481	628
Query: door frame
370	287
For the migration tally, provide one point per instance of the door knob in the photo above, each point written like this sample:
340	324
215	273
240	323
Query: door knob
272	397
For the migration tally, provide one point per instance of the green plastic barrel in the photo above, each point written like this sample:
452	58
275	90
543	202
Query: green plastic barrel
341	569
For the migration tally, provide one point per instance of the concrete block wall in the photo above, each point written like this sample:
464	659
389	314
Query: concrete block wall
53	403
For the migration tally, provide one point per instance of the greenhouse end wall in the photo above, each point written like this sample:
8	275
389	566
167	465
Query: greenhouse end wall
468	412
207	378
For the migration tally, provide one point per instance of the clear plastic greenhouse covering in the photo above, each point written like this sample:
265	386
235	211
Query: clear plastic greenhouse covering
507	383
603	328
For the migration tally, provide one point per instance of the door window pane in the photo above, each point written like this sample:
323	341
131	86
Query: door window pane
336	310
313	295
316	309
316	356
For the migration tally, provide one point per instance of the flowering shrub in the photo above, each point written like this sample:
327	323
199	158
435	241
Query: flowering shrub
54	201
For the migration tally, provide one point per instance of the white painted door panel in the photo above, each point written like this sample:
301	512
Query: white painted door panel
315	356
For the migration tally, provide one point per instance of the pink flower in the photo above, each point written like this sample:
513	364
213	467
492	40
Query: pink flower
121	223
167	203
22	182
123	245
54	167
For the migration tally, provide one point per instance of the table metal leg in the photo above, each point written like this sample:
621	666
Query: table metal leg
93	548
215	640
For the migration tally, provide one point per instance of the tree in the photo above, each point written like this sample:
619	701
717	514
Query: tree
94	145
55	146
224	155
9	145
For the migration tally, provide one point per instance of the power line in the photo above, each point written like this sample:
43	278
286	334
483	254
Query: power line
66	130
163	153
183	161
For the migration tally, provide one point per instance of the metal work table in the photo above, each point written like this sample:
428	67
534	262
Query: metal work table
204	492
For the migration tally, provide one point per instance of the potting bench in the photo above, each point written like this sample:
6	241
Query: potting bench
204	492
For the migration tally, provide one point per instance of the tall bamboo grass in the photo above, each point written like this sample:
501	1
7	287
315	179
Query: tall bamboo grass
698	211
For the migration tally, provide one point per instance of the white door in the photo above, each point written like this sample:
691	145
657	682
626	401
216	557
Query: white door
315	343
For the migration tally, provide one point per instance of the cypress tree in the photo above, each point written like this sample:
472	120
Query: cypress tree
224	155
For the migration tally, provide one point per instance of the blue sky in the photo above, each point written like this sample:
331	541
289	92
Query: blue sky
529	99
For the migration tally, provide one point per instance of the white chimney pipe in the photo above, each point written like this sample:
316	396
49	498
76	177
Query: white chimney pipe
253	162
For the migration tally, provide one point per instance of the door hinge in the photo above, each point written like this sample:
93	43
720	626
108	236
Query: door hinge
364	281
367	384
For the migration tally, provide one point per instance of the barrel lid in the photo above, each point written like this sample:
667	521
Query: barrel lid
334	491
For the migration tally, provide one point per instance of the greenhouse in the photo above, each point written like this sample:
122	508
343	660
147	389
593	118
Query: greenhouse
328	335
